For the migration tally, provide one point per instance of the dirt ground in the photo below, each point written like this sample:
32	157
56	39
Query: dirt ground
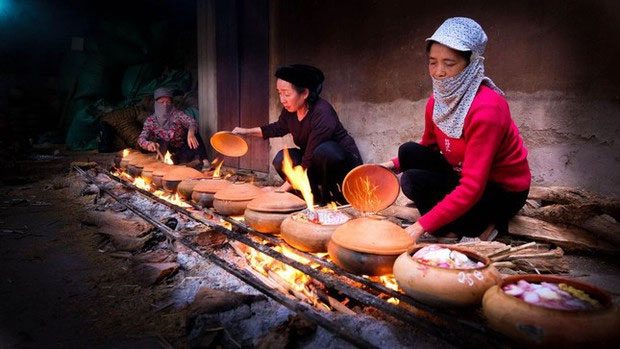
58	287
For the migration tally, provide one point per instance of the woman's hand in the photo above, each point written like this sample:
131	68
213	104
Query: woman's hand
192	141
239	131
254	131
415	231
388	164
151	146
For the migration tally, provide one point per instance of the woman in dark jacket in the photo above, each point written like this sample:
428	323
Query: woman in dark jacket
326	150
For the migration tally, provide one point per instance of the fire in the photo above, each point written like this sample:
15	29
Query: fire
389	281
332	206
216	172
140	183
284	275
174	199
298	177
125	152
168	158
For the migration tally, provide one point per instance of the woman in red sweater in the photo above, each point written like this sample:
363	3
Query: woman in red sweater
469	173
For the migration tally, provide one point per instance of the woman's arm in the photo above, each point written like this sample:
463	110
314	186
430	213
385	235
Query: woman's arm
147	132
254	131
484	136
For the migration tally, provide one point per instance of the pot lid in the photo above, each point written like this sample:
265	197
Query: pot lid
162	170
212	185
142	162
277	201
373	235
229	144
154	166
182	172
238	192
370	188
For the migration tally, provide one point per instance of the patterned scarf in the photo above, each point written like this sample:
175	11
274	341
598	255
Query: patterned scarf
454	95
163	115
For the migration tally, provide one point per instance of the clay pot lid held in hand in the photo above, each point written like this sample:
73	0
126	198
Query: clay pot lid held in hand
373	235
211	185
229	144
182	172
238	192
276	201
370	188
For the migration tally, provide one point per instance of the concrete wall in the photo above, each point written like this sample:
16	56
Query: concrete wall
556	60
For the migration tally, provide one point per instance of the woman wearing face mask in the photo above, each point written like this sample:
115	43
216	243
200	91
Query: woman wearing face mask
326	149
169	129
469	174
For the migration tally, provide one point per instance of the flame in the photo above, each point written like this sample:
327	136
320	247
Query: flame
332	206
174	199
125	152
140	183
283	274
168	158
216	173
389	281
298	177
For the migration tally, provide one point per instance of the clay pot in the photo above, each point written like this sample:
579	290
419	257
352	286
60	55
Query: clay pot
370	188
305	235
232	200
186	187
172	178
444	286
229	144
149	170
368	245
266	212
136	165
159	173
205	190
538	326
124	162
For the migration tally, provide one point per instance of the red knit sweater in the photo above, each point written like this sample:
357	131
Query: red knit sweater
490	149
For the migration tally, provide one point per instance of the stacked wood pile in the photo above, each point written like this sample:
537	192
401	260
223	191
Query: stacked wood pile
572	219
531	257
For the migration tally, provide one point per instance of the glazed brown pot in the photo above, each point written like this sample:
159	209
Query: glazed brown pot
232	200
305	235
205	190
171	180
368	245
445	286
538	326
266	212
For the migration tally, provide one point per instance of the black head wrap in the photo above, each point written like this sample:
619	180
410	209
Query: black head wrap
303	76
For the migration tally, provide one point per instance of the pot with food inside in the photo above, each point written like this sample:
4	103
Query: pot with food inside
445	275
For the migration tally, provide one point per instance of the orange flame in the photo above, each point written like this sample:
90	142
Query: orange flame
140	183
298	177
168	158
389	281
125	152
216	172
